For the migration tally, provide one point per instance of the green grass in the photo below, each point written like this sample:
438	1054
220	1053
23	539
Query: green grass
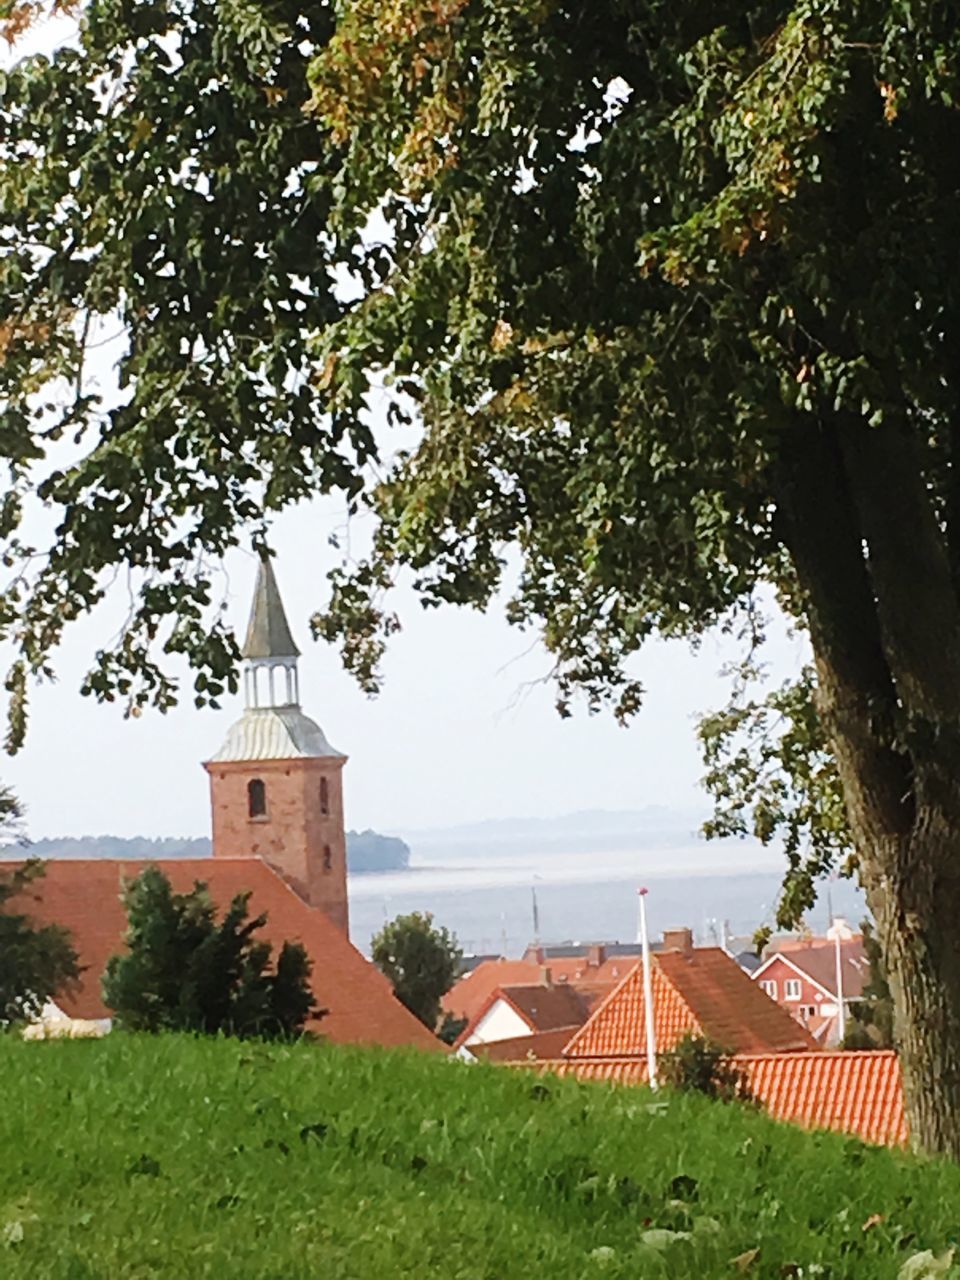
139	1157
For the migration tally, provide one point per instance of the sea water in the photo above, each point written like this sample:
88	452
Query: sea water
497	903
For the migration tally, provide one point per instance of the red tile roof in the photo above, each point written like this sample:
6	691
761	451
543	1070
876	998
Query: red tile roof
84	896
859	1093
472	993
546	1008
702	991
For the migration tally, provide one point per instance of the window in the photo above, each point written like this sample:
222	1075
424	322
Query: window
256	798
791	989
324	796
770	987
327	858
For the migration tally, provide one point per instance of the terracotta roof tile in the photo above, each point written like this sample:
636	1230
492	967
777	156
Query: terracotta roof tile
859	1093
84	896
471	994
546	1008
702	991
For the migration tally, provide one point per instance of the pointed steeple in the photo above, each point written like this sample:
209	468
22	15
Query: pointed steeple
268	632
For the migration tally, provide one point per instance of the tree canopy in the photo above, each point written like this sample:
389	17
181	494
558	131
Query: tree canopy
185	971
422	961
672	289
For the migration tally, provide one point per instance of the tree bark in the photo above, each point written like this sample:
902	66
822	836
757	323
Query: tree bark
885	626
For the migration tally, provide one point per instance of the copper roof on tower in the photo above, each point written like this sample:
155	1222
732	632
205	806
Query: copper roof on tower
268	632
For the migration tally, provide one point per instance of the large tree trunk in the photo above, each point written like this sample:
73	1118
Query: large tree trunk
913	887
885	626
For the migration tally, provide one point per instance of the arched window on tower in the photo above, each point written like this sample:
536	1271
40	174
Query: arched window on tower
327	858
324	796
256	798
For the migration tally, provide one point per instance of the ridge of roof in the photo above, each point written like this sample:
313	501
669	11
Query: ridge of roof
702	991
268	632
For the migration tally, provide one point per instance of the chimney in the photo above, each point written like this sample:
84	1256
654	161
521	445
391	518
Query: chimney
546	977
596	955
678	940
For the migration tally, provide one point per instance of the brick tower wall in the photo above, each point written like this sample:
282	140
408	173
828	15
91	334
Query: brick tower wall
307	846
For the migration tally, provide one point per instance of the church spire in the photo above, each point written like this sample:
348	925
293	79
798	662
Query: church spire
269	653
268	632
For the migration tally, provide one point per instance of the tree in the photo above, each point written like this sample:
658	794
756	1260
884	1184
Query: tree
183	971
421	959
674	291
37	962
871	1017
698	1065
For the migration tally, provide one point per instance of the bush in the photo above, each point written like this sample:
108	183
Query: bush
696	1065
185	972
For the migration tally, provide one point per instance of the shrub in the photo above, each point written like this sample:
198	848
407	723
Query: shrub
697	1065
185	972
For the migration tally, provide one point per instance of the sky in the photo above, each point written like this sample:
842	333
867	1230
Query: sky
465	728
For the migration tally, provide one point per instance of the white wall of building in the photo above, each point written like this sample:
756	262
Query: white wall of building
500	1022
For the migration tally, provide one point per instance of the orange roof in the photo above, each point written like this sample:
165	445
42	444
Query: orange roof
84	896
546	1008
702	991
472	993
857	1092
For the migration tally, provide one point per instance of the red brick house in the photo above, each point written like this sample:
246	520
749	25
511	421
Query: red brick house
802	977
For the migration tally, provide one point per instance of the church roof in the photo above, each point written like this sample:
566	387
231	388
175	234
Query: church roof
274	733
83	895
268	632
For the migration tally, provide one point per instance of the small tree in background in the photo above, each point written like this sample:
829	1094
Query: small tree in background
185	972
871	1017
37	962
696	1065
422	962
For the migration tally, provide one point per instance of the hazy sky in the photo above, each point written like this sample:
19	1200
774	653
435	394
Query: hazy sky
456	735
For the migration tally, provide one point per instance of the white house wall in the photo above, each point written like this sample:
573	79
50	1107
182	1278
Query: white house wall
500	1022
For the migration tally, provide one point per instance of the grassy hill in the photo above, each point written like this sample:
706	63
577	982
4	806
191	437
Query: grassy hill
135	1157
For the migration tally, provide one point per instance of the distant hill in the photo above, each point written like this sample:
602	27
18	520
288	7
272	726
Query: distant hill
366	850
588	830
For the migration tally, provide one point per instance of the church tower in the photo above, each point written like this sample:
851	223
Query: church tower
276	783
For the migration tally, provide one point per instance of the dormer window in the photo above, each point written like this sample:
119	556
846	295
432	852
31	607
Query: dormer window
256	798
324	797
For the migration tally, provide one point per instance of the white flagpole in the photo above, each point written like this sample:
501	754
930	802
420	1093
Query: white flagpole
841	1011
650	1029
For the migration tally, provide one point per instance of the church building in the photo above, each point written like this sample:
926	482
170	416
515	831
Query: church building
276	783
276	791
